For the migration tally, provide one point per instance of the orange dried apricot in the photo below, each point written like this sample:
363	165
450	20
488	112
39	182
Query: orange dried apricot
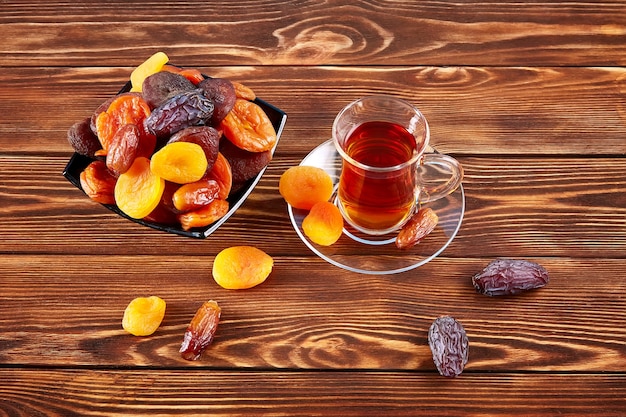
204	216
221	173
98	182
241	267
248	127
243	92
143	315
124	109
138	190
179	162
302	186
324	223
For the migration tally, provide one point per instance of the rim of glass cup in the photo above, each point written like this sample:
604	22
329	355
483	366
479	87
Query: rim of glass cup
416	155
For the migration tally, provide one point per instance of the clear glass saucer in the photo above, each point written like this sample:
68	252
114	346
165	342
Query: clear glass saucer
365	254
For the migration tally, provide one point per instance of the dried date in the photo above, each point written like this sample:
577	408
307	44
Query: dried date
449	345
509	277
187	109
200	331
418	227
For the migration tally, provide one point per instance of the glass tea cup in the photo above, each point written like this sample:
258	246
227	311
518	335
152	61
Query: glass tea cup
386	172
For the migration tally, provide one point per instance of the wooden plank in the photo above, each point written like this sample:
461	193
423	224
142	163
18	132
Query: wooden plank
219	393
498	111
59	310
514	206
535	33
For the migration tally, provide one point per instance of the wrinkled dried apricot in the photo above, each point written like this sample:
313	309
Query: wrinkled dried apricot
194	195
98	182
248	127
221	172
150	66
124	109
192	74
179	162
324	223
302	186
204	216
138	190
243	91
244	164
143	315
241	267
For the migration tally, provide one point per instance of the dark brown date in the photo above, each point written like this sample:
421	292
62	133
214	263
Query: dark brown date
449	345
123	149
200	331
509	277
418	227
187	109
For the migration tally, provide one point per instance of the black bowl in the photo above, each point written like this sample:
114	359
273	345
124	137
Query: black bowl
78	163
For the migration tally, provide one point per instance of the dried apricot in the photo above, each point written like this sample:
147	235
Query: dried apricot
243	92
302	186
124	109
98	182
244	164
324	223
143	315
192	74
179	162
150	66
248	127
194	195
138	190
221	172
204	216
241	267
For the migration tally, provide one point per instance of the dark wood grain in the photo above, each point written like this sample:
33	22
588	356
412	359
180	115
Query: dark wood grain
471	110
223	393
537	33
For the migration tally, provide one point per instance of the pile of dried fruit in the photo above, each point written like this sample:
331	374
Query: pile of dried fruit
175	147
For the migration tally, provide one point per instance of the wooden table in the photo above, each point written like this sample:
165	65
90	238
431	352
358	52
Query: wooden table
529	96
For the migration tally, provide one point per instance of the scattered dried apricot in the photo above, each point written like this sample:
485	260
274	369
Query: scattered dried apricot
143	315
248	127
179	162
324	223
138	190
302	186
241	267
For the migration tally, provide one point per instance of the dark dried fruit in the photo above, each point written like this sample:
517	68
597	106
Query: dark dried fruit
222	93
244	164
191	108
510	276
419	226
449	345
82	138
200	331
123	149
161	86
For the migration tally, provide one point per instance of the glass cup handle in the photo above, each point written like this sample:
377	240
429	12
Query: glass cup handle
438	175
